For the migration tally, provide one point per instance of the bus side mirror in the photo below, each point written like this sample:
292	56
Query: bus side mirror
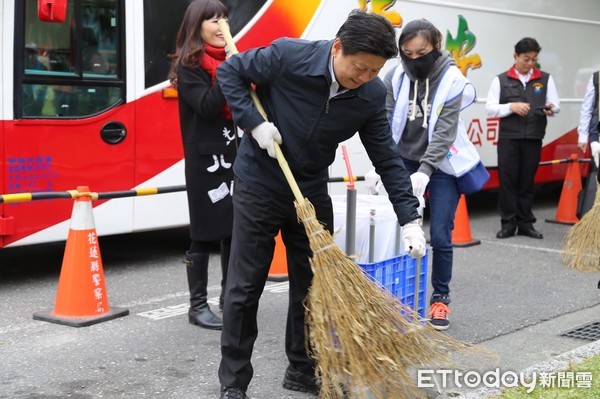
52	10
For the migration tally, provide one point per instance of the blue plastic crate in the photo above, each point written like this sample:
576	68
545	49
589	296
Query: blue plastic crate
397	275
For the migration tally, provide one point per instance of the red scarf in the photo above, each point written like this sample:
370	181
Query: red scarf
210	61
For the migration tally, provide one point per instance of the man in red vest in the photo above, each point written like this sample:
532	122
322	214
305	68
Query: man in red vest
523	98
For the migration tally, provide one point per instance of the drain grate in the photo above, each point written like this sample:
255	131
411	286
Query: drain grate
588	332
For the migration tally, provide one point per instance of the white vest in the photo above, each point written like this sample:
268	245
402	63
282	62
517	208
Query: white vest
462	155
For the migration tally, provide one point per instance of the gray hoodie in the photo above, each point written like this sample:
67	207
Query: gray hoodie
414	144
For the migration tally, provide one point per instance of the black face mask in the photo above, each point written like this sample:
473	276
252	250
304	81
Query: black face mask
422	66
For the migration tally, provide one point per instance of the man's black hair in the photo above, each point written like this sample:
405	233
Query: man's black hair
368	33
527	45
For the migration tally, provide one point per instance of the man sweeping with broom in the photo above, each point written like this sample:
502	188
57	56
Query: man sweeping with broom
316	95
582	242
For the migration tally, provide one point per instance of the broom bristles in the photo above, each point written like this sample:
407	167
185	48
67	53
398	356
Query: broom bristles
582	241
360	335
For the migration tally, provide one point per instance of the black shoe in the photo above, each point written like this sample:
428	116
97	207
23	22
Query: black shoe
205	318
233	393
530	232
197	276
506	232
295	380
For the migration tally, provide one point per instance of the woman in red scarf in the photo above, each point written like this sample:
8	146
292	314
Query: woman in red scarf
210	142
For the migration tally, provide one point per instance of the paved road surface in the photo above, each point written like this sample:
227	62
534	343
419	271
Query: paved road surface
512	296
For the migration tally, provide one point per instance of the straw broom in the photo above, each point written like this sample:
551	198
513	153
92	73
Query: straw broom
582	241
581	249
360	336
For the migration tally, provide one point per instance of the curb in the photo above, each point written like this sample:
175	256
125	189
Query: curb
561	362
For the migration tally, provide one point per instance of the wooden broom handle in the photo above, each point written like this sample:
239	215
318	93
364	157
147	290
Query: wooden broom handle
280	158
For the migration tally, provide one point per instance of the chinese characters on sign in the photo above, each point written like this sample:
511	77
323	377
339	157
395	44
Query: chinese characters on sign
478	133
96	272
461	45
382	7
29	174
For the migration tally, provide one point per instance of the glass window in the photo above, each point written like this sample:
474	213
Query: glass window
68	101
73	68
99	37
159	41
48	45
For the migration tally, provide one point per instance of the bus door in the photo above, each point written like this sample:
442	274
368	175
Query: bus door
71	124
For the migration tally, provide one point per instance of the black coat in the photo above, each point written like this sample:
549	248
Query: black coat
293	81
210	147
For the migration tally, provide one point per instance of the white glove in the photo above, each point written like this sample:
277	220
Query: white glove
595	150
413	239
419	182
421	208
373	182
265	134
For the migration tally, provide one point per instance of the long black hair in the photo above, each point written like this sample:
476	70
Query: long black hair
189	46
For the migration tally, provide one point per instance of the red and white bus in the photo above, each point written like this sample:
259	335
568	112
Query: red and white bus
83	103
84	98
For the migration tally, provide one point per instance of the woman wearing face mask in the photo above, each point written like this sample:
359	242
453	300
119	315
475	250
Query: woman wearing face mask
425	95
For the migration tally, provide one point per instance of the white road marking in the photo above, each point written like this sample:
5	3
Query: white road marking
182	308
166	312
507	244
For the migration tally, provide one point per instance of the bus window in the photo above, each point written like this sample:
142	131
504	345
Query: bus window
159	41
68	101
52	40
72	68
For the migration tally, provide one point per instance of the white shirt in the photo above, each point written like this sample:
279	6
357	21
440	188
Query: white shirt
585	115
335	86
496	110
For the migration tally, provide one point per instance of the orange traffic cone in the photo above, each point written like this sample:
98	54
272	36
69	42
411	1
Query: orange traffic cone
566	213
81	298
278	270
461	235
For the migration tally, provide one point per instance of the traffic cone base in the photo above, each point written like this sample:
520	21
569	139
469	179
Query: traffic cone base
466	244
50	317
556	221
461	235
81	298
566	213
278	270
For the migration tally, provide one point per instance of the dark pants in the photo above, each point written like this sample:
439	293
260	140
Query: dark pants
518	160
257	220
443	200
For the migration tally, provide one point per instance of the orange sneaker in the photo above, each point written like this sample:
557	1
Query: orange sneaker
438	316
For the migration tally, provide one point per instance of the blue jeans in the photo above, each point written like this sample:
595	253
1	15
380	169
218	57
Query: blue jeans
442	202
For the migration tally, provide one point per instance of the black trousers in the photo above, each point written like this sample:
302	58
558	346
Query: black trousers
257	220
518	161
